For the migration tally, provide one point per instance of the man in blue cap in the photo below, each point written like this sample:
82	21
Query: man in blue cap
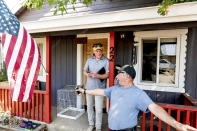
126	102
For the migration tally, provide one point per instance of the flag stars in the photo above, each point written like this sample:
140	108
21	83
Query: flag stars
7	18
9	22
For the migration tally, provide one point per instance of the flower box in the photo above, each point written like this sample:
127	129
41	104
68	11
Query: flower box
13	123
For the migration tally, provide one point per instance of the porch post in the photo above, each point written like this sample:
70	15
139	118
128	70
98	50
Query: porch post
111	60
47	100
79	72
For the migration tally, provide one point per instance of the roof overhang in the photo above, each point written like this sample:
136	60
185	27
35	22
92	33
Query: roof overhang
183	12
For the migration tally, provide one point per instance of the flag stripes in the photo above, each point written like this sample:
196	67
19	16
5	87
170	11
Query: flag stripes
21	54
23	60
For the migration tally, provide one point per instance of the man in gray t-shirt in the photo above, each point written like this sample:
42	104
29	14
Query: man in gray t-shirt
97	71
126	102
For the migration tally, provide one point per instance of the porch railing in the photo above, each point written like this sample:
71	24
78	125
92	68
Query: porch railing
32	110
189	100
183	114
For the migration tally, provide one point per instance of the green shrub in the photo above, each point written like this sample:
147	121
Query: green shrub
3	73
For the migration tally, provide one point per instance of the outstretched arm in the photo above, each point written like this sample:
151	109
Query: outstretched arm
96	92
164	116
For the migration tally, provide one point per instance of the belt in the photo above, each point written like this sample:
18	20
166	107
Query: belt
127	129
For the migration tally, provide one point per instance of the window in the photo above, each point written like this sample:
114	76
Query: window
1	57
161	60
159	57
3	71
42	46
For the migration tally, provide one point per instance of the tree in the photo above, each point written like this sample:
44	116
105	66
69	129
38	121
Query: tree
61	5
165	4
3	73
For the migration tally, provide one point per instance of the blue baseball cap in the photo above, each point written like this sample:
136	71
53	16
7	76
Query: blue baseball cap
129	69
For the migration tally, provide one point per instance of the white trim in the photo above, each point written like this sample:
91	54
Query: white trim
180	34
79	64
79	73
42	41
181	12
182	60
95	36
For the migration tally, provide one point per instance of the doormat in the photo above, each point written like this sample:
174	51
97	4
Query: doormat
71	113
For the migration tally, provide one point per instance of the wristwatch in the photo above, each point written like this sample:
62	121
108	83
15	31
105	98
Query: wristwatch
84	91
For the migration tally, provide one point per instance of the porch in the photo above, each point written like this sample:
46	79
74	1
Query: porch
146	122
80	124
40	107
186	113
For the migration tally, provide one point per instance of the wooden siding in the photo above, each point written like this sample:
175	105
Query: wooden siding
166	97
97	7
123	48
191	63
64	67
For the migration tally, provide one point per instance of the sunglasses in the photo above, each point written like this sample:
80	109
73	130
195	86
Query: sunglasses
97	45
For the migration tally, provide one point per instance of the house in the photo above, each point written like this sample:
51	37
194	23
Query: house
161	48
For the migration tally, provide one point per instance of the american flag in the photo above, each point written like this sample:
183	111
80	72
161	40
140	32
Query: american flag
21	54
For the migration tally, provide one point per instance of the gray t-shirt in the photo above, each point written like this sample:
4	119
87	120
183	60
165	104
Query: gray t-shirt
92	65
125	106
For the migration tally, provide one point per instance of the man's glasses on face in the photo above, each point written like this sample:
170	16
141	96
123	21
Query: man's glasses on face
123	72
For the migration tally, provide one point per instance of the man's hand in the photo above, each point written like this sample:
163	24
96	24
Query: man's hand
99	76
164	116
89	74
96	92
187	128
81	90
94	75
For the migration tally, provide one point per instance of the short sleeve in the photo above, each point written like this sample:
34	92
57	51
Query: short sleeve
107	66
108	91
143	101
86	65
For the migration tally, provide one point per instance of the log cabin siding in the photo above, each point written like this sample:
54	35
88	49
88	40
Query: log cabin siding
191	63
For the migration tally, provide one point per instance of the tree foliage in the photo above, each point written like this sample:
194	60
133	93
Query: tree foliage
165	4
3	73
61	5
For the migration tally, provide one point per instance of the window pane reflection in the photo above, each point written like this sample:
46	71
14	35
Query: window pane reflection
167	62
40	45
149	63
